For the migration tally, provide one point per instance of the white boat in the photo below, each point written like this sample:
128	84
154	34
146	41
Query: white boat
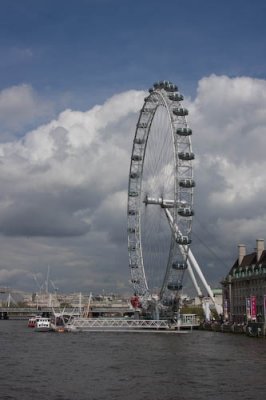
32	321
58	322
42	324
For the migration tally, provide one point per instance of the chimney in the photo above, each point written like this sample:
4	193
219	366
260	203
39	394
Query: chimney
260	248
241	253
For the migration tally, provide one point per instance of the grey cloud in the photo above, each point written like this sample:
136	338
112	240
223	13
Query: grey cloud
40	220
65	186
20	106
228	121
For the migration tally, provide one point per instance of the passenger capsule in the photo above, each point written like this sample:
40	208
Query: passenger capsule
139	141
166	84
176	97
171	88
184	131
184	240
132	212
134	175
186	156
181	112
187	183
133	194
142	125
135	281
174	286
179	265
136	157
151	90
185	212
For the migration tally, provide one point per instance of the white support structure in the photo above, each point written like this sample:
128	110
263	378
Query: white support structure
203	280
192	263
194	280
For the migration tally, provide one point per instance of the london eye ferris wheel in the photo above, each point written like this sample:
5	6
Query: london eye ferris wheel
160	195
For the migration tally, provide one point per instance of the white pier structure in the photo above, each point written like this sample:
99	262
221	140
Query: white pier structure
186	322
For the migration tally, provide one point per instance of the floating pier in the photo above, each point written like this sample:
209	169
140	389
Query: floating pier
186	323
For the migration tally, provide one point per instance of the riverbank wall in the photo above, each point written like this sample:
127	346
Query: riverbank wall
252	329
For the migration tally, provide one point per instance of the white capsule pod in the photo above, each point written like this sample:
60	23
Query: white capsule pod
132	212
184	131
133	266
139	141
174	286
186	156
134	175
135	281
175	97
180	111
185	212
142	125
136	157
184	240
133	194
171	88
180	266
187	183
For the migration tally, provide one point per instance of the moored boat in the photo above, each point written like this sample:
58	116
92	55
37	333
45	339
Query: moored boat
58	323
43	324
32	321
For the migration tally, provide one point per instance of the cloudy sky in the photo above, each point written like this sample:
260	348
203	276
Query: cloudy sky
73	76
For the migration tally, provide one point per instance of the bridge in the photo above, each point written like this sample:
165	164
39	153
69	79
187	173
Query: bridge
94	310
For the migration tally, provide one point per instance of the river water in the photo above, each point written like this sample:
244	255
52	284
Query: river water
131	366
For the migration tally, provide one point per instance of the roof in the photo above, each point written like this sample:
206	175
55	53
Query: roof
248	260
262	259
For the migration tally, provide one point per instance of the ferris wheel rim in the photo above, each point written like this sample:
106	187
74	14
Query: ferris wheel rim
171	100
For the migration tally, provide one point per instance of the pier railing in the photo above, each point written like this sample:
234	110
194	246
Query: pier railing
103	323
78	323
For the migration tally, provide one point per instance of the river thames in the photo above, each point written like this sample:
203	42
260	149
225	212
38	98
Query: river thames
199	365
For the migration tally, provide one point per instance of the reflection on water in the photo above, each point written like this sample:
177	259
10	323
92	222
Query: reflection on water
132	366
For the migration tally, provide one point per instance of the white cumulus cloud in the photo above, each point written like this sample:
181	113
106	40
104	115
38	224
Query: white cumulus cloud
19	106
229	120
66	178
64	184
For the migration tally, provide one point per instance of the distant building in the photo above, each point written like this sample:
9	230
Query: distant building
218	296
206	304
244	288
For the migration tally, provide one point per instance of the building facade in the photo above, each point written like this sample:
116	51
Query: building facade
244	288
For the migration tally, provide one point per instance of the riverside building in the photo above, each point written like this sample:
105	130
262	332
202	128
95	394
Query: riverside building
244	288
